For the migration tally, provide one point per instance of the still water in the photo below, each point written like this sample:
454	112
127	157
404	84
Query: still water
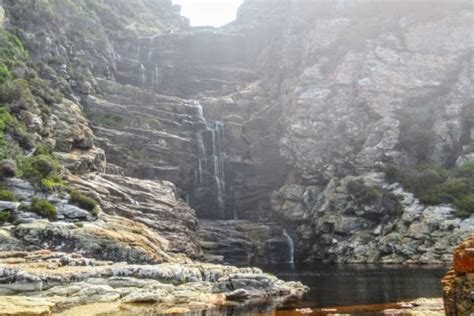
344	285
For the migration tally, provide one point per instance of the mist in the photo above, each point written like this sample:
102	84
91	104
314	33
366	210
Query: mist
221	157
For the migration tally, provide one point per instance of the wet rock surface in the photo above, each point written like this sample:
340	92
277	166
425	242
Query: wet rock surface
243	242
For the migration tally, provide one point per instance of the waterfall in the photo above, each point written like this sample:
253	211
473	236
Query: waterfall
143	74
217	132
148	57
210	173
202	157
291	246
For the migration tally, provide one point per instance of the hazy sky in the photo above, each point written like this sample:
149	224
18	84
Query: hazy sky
209	12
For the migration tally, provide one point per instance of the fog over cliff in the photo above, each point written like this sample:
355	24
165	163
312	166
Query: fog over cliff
303	131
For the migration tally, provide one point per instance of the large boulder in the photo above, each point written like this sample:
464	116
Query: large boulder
458	284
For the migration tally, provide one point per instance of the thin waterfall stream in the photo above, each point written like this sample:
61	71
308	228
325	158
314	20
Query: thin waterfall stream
210	172
291	247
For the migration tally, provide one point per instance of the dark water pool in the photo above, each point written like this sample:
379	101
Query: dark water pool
343	285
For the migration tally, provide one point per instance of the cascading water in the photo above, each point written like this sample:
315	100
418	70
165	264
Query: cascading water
149	68
217	131
210	172
291	247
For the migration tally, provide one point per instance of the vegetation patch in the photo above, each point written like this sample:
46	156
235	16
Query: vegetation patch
9	125
5	216
6	195
42	170
84	202
416	134
5	74
42	207
138	231
434	185
11	47
106	119
363	193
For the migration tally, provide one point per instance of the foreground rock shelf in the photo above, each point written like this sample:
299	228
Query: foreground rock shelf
45	282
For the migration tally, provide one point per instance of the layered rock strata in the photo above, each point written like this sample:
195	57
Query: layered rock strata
44	282
244	242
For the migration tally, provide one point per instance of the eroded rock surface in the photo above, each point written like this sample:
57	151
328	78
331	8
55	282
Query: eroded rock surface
152	203
46	282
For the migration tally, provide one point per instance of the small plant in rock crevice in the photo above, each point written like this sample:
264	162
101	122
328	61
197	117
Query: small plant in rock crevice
41	207
363	193
5	216
85	202
6	195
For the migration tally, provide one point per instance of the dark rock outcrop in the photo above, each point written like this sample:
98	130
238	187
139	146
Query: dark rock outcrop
244	242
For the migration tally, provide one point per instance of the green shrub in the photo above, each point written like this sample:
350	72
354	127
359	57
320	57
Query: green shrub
464	171
7	168
416	134
83	201
53	183
38	167
465	205
454	188
9	92
434	185
7	120
42	149
11	47
5	216
43	207
5	74
419	178
363	193
6	195
9	125
392	174
4	146
41	89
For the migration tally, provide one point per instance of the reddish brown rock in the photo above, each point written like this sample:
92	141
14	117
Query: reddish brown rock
463	261
458	283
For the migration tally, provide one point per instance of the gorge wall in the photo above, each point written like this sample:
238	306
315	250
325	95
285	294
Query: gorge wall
320	122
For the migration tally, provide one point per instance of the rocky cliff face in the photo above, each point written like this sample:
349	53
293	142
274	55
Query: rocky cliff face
322	121
364	87
92	201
